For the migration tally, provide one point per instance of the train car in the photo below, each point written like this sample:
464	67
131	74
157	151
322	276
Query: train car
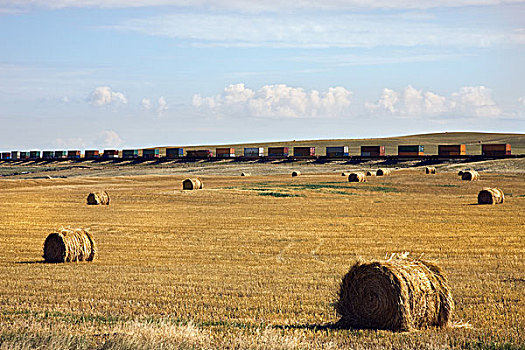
91	154
60	155
410	150
174	152
304	151
372	151
337	151
110	154
253	152
15	155
225	152
452	150
24	155
496	150
199	154
34	155
130	153
73	154
151	153
278	152
6	155
48	155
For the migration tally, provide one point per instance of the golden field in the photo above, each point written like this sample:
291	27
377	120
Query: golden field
254	262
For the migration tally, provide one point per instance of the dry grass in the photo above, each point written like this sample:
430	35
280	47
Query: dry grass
225	267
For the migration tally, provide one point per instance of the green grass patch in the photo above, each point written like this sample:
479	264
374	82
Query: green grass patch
279	194
447	185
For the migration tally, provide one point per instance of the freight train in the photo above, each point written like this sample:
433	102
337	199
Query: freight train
251	153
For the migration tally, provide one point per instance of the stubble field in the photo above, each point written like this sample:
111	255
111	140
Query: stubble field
253	262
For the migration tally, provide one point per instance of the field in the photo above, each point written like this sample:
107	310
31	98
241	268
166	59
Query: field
254	262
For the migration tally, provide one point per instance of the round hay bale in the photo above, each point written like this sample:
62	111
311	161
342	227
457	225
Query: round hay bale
98	198
192	184
69	245
371	173
491	196
430	170
470	175
398	294
357	177
383	172
460	172
296	173
246	174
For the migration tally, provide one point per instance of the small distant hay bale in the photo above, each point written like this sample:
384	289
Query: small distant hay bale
69	245
371	173
383	172
192	184
398	294
98	198
491	196
357	177
296	173
470	175
430	170
246	174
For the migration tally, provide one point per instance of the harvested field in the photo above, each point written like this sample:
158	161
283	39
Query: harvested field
229	267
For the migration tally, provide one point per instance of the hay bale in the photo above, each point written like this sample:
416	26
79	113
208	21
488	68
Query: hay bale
430	170
491	196
69	245
371	173
246	174
470	175
383	172
296	173
398	294
192	184
357	177
98	198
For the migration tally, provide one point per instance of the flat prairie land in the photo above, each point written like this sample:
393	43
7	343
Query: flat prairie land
254	262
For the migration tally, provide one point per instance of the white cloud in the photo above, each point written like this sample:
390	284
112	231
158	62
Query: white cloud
254	6
146	103
320	30
521	100
276	101
162	106
72	143
109	138
470	101
103	95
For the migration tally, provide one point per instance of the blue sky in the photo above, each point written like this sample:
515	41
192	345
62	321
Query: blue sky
115	73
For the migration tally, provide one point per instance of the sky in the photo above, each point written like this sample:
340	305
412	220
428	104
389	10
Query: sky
80	74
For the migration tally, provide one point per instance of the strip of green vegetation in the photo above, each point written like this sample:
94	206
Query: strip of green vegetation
447	185
279	194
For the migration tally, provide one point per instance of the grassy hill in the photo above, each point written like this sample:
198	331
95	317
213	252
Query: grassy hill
473	140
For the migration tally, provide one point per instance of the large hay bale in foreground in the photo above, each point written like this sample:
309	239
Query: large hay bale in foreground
357	177
491	196
246	174
383	172
98	198
296	173
192	184
69	245
430	170
398	294
470	175
371	173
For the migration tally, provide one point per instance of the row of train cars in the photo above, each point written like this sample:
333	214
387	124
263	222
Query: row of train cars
302	152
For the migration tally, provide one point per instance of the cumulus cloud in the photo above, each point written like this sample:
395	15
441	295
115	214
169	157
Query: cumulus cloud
103	95
276	101
109	138
162	105
470	101
521	101
146	103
